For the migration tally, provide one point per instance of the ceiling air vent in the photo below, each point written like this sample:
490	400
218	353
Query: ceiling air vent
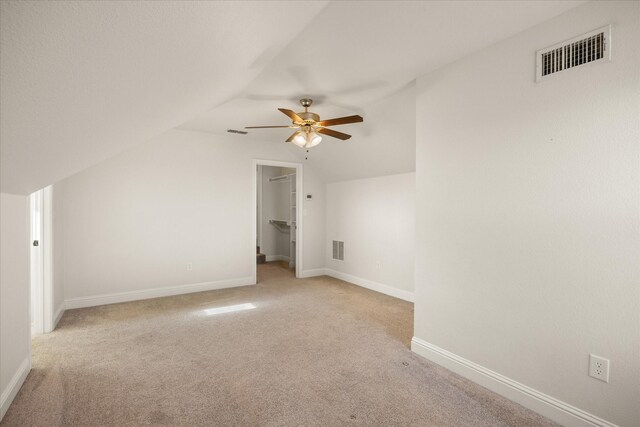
338	250
594	46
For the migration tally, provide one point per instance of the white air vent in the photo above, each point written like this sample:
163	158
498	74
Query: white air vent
591	47
338	250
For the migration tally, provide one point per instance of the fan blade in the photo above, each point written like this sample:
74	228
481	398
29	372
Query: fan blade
292	136
265	127
296	118
340	121
334	133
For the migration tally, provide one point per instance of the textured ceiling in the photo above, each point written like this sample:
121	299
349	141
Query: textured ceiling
83	81
361	58
354	54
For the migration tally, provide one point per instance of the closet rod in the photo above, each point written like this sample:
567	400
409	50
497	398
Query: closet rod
281	177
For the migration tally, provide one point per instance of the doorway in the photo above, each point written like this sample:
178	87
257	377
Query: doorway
277	219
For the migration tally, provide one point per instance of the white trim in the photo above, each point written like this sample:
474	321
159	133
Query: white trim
254	215
12	389
299	216
370	284
259	190
36	262
114	298
47	261
528	397
313	273
270	258
58	315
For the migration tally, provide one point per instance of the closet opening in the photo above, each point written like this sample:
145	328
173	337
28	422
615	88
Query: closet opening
277	223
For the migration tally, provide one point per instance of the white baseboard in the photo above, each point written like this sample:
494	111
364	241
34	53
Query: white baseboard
370	284
271	258
114	298
12	389
312	273
528	397
58	315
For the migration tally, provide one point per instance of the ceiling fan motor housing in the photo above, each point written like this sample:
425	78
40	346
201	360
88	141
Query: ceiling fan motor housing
309	117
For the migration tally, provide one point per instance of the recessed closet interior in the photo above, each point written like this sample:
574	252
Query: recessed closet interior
276	236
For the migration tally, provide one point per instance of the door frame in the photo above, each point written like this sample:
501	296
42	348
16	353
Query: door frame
299	211
47	264
41	261
36	261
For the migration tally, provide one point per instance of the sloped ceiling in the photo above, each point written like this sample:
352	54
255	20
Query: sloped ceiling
83	81
361	58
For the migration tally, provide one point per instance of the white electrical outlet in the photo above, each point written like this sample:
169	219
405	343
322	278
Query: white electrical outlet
599	368
378	265
189	266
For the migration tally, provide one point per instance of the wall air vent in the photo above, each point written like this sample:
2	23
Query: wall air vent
594	46
241	132
338	250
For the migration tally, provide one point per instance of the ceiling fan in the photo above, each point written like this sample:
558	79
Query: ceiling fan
309	126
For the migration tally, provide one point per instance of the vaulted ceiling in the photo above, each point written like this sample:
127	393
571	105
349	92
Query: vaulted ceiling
83	81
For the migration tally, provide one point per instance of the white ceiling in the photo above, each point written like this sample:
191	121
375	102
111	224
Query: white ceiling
384	145
83	81
355	53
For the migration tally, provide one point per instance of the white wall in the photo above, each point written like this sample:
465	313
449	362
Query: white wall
134	222
527	213
15	324
314	222
375	218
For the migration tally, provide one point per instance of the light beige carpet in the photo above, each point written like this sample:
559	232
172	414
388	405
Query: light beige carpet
313	352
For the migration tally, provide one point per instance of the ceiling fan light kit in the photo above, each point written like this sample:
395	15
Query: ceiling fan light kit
313	139
309	126
304	139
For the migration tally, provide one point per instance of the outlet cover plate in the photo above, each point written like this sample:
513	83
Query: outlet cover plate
599	368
